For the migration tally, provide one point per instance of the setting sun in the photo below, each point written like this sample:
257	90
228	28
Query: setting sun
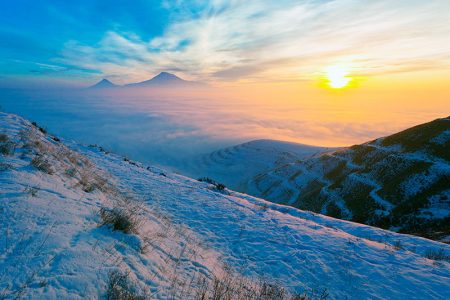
338	76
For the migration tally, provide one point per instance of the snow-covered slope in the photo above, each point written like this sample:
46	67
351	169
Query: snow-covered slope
53	200
400	182
234	166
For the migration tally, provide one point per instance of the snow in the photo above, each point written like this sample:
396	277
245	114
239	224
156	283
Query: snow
442	138
288	184
439	207
235	165
51	242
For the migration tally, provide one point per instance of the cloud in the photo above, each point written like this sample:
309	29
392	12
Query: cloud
278	40
47	68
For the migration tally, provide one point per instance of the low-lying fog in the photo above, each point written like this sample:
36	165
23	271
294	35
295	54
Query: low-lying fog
166	127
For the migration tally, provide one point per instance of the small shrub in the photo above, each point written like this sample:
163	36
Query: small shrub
40	163
121	287
43	283
6	146
101	183
220	186
333	210
263	207
41	129
217	185
86	183
232	286
90	181
3	138
271	291
437	254
31	191
103	150
397	245
301	297
206	179
73	159
125	219
5	166
71	172
89	188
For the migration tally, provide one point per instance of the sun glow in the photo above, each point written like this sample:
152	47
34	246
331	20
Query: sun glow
338	76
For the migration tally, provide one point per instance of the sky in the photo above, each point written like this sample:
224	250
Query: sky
219	41
321	72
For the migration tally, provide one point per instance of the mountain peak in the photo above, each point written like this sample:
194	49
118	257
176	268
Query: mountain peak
166	74
166	77
104	83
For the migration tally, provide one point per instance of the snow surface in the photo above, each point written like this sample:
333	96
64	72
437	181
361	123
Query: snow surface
51	245
235	165
293	183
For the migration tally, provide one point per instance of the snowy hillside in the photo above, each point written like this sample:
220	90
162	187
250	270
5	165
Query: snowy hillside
234	166
401	182
79	223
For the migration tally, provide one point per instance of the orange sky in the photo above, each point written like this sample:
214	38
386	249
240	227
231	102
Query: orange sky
311	112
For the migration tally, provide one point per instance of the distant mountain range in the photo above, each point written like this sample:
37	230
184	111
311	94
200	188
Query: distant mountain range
163	79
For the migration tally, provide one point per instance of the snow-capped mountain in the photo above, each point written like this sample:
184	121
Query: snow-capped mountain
103	84
162	80
165	79
401	182
234	165
79	223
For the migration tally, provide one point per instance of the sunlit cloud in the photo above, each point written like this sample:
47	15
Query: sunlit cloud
275	40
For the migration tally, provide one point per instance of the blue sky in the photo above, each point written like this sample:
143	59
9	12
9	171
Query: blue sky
33	33
125	41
